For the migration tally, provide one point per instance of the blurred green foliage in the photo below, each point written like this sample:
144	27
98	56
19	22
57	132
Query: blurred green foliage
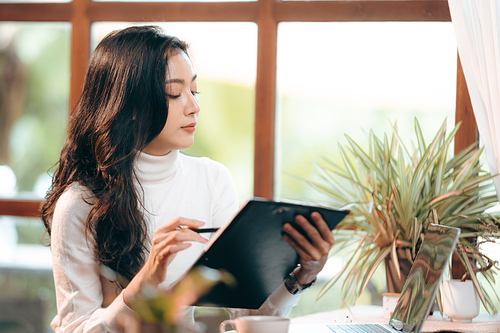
38	134
314	127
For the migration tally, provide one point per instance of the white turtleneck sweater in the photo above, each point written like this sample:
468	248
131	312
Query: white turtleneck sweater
172	185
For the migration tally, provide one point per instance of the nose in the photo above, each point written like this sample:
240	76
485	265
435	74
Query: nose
194	105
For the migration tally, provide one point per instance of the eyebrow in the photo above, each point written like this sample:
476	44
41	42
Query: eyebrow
181	81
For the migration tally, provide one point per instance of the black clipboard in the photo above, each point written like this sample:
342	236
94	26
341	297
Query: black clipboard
252	250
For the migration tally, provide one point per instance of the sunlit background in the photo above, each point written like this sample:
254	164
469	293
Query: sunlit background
333	79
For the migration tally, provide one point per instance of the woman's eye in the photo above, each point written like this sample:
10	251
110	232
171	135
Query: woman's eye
173	96
195	93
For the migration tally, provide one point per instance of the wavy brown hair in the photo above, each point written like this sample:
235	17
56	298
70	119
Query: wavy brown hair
123	107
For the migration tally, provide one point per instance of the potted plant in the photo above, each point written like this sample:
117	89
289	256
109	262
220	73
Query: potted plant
394	194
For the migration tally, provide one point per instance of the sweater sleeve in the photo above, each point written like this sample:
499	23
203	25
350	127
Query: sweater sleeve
79	291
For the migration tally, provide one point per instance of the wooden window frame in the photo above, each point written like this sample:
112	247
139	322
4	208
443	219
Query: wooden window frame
266	14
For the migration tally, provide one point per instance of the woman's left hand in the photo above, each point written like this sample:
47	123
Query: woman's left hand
314	253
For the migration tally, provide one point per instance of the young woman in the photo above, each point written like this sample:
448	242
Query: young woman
122	189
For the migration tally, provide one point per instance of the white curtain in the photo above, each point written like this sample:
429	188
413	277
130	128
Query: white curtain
477	28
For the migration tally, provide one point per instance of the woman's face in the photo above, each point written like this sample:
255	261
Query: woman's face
183	108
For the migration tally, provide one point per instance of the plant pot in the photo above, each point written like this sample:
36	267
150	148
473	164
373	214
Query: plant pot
394	283
460	300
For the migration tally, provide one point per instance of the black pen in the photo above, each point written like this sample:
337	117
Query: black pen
203	230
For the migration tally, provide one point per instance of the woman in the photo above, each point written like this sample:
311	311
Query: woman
125	198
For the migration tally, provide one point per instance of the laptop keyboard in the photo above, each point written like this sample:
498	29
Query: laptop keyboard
370	328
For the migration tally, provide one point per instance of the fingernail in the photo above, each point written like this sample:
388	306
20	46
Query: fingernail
201	223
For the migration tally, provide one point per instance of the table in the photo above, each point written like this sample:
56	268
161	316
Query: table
484	323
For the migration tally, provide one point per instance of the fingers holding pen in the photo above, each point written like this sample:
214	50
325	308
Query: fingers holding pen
168	240
177	235
181	223
176	240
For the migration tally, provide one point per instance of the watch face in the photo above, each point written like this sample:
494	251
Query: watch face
291	284
294	287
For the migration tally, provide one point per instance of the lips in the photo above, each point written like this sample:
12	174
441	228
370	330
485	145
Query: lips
190	127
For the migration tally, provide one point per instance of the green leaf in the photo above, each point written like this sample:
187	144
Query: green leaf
394	257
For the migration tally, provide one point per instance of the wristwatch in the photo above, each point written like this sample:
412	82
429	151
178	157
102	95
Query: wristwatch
294	287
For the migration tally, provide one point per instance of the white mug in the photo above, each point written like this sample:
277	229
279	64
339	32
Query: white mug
257	324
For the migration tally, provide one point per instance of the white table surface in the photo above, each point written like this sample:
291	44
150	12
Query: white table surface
316	323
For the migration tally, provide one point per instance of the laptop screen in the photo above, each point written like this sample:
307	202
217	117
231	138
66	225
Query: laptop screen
421	286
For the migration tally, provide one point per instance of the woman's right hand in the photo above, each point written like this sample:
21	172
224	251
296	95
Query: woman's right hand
168	240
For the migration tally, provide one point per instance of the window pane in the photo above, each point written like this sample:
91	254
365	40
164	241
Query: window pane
353	77
348	78
224	57
34	77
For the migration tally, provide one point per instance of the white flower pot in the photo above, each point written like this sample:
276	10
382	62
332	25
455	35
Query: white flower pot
460	300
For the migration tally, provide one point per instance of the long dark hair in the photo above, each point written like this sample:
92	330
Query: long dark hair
123	107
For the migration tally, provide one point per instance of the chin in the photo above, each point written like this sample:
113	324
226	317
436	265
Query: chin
185	146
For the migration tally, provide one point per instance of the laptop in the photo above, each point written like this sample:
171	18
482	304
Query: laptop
419	290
